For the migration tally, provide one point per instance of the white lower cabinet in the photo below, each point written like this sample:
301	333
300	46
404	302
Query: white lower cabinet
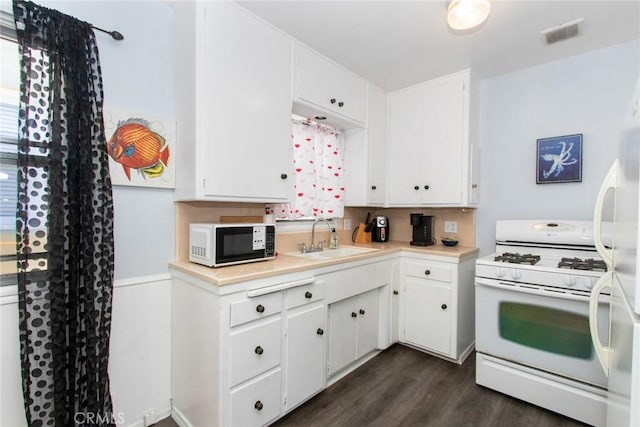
258	402
305	354
246	354
305	343
428	314
233	347
353	326
437	309
343	330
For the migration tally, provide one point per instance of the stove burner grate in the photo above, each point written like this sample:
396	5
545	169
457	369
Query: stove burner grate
516	258
582	264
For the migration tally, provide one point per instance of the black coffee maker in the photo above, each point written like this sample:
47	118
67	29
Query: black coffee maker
422	230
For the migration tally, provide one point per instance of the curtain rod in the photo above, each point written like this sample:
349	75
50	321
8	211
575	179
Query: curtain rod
115	34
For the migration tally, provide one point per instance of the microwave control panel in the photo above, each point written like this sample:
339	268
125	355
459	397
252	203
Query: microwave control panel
264	238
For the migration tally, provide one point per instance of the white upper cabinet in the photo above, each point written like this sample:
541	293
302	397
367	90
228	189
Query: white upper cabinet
377	132
365	155
429	145
233	104
324	87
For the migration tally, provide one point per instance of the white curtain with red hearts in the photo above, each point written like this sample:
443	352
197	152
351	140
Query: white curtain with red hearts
318	179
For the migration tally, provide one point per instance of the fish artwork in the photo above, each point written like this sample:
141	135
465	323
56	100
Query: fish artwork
135	146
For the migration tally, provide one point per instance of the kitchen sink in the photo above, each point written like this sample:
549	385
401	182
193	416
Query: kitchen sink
341	252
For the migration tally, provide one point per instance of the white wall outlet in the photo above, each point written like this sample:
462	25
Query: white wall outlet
451	226
346	224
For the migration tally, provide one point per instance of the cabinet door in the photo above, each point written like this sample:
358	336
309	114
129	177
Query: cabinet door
442	159
377	136
395	301
429	143
367	310
406	136
427	319
305	355
342	334
244	107
325	84
365	155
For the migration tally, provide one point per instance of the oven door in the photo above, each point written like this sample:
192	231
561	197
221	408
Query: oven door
540	327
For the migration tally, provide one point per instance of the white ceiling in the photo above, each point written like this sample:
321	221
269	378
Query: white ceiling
395	43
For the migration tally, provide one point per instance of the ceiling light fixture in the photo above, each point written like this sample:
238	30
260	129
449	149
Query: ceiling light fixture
465	14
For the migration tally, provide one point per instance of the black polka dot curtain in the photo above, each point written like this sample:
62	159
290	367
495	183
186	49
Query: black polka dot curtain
65	211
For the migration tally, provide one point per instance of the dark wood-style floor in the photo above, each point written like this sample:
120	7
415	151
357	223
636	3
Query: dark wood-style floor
405	387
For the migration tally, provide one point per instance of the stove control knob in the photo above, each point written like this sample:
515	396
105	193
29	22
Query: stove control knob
589	282
499	272
570	281
516	274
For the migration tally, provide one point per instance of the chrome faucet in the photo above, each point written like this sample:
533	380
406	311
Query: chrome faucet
313	233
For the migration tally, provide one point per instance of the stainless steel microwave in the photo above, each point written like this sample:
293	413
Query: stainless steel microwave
217	245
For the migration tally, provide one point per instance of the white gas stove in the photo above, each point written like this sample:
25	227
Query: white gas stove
532	317
554	254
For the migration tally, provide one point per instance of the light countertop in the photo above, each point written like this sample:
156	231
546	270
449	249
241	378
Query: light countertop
284	263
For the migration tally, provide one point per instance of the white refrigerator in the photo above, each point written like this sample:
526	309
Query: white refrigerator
620	359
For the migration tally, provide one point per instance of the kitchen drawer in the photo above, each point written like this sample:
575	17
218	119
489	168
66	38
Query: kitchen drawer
302	295
429	270
255	350
258	402
251	309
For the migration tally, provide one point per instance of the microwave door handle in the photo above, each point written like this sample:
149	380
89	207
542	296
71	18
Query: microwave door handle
609	183
602	352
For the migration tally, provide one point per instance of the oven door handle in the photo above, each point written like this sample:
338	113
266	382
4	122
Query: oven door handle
601	351
531	290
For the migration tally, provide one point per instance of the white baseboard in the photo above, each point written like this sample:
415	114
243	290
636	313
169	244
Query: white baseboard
350	368
179	418
160	415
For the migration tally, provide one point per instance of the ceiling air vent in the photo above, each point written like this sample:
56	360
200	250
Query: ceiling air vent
562	32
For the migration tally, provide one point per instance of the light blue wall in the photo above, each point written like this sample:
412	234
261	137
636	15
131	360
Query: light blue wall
138	78
585	94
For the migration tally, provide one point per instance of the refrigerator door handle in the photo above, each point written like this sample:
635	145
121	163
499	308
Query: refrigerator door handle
610	183
602	352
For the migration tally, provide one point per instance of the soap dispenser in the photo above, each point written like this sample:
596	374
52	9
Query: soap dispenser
333	241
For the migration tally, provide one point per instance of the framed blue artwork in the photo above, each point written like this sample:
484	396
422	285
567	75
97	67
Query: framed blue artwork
559	159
